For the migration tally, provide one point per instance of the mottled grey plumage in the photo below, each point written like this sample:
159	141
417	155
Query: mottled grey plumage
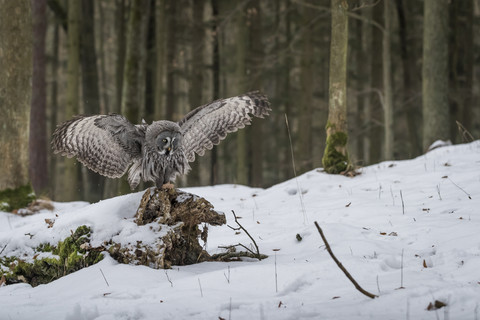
110	144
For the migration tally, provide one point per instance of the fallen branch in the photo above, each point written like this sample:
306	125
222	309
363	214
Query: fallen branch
339	264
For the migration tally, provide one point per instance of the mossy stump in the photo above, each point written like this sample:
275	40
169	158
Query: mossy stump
176	215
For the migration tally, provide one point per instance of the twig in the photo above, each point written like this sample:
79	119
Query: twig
228	278
467	136
6	244
401	272
248	234
104	277
403	204
378	285
456	185
339	264
276	276
438	191
168	278
200	285
299	191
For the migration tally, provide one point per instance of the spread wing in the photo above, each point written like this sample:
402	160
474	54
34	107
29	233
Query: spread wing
207	125
106	144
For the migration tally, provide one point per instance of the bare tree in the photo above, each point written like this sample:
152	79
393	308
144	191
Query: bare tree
335	158
436	122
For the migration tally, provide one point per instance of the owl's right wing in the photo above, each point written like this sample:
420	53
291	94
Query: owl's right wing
106	144
207	125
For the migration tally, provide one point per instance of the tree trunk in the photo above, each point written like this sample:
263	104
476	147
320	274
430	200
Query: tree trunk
15	98
435	72
241	44
255	70
461	66
387	84
172	63
92	181
133	92
216	83
38	127
335	158
409	107
376	103
196	89
121	48
71	172
160	61
304	145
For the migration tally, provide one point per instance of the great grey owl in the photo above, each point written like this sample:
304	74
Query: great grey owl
110	144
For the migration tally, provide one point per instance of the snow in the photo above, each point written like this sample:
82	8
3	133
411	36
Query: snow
384	225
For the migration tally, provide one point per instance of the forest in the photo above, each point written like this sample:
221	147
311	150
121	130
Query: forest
408	70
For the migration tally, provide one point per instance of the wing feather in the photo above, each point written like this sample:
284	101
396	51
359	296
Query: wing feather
207	125
106	144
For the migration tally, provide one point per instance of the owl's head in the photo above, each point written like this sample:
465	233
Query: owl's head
164	137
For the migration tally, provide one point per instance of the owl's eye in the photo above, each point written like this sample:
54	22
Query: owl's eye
164	140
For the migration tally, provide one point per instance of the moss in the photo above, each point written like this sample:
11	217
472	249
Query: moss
70	255
335	158
12	199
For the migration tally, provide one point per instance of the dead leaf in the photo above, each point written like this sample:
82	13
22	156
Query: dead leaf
280	304
393	234
425	264
35	256
383	233
437	304
348	205
336	297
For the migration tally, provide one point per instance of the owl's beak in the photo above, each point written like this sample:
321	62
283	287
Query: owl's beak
169	149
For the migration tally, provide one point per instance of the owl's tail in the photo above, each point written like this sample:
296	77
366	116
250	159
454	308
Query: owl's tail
135	174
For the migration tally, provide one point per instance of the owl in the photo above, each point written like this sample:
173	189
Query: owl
159	152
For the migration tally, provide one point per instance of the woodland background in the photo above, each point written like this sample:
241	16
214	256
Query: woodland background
158	59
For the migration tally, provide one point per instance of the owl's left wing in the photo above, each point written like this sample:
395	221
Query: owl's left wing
207	125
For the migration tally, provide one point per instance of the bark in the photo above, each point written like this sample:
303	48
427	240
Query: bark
172	63
121	48
304	145
133	81
335	158
92	182
71	173
435	72
410	109
160	61
15	92
376	119
255	70
461	66
240	69
38	144
387	84
196	76
216	83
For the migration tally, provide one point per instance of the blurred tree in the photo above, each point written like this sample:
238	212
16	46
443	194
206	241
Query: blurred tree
436	122
92	182
38	168
70	171
15	99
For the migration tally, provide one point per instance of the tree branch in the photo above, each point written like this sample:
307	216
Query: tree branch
339	264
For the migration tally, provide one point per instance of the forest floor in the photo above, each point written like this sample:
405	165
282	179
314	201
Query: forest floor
407	231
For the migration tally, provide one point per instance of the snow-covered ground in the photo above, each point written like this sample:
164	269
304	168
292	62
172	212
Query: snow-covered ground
422	214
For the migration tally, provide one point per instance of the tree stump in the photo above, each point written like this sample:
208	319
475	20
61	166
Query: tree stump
177	216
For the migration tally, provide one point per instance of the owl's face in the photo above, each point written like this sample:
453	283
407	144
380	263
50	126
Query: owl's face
168	142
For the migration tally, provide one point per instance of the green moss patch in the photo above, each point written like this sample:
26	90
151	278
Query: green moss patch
335	159
70	255
12	199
